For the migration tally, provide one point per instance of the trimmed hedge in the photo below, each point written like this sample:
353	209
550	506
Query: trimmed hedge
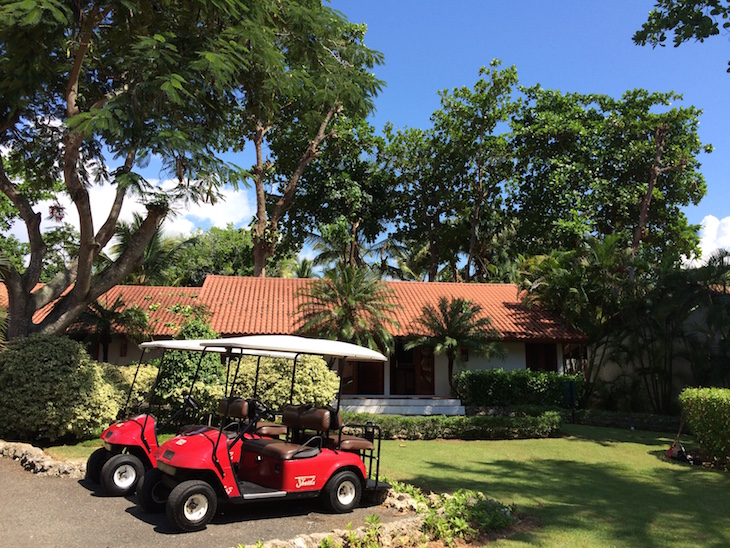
499	427
708	415
500	388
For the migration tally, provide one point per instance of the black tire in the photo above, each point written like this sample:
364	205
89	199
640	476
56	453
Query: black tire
120	474
191	505
343	491
152	493
95	463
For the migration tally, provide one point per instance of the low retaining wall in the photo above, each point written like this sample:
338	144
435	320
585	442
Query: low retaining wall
35	460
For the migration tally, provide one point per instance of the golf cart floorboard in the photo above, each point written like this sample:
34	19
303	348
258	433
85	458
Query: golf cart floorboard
252	490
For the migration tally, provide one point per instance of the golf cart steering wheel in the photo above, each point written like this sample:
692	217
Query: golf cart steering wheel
190	402
258	410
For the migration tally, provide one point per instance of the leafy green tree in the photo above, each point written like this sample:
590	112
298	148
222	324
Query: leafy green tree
329	71
84	81
427	181
652	335
346	186
349	304
470	120
225	251
591	164
688	19
101	321
455	325
297	268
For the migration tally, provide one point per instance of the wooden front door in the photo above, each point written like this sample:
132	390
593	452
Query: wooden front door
362	378
411	372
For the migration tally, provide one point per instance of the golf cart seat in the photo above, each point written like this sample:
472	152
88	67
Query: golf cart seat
349	442
297	419
320	420
270	429
238	408
234	408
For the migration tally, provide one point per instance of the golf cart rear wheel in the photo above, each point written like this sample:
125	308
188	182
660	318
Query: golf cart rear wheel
343	491
191	505
95	463
120	474
152	493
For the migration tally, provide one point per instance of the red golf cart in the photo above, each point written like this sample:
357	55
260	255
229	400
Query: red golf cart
130	443
319	456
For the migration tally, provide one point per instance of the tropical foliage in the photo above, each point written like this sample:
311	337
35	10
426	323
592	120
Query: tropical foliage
455	326
349	304
100	321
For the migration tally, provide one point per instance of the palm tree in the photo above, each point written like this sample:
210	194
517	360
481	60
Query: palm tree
159	254
454	326
99	322
349	304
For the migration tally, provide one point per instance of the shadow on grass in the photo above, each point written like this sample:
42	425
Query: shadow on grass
609	437
608	502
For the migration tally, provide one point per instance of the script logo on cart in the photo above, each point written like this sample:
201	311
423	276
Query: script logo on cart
305	481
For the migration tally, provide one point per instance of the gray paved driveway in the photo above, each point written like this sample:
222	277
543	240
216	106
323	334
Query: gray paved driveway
38	511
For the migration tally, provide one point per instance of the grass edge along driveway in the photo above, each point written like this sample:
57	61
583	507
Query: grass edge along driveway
592	487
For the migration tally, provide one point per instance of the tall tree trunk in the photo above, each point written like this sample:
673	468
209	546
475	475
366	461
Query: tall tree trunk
267	226
660	137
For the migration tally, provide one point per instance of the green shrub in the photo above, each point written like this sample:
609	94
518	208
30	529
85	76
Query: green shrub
121	376
51	389
708	415
315	383
180	367
500	388
464	515
457	427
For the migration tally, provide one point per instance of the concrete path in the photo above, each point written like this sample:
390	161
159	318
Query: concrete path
38	511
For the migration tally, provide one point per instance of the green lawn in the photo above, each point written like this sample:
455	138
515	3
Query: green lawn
594	487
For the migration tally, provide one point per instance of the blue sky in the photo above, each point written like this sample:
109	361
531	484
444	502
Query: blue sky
571	45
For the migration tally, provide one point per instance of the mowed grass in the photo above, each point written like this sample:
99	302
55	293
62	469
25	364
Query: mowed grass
81	451
593	487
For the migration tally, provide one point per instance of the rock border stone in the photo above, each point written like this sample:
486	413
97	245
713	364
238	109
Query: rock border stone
35	460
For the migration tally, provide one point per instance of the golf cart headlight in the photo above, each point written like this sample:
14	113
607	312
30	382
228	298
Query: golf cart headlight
166	468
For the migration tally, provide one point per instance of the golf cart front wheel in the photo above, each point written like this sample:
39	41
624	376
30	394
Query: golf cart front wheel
191	505
120	474
343	491
95	463
152	493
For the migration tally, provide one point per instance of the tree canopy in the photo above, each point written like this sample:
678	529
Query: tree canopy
687	19
132	81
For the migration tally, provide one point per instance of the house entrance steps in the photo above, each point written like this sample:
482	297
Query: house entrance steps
402	405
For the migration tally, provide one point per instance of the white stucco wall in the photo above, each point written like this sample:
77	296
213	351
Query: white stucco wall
515	359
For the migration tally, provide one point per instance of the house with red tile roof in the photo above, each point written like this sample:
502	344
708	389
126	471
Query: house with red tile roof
237	306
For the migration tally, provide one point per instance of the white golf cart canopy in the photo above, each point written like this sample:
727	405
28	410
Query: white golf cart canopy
204	345
292	344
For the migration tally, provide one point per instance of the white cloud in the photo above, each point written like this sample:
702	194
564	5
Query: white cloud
236	208
714	235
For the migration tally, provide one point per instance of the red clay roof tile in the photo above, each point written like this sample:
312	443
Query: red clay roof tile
251	306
